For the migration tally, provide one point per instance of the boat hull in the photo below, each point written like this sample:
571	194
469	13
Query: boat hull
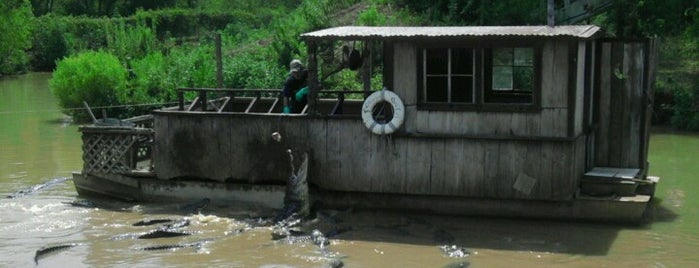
629	209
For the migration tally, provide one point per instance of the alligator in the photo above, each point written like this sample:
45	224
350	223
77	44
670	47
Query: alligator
45	251
151	222
38	187
296	199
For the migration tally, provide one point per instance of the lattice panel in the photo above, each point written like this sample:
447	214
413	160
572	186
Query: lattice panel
114	152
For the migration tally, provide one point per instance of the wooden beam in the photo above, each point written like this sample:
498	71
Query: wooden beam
313	84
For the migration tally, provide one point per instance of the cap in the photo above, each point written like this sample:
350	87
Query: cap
295	66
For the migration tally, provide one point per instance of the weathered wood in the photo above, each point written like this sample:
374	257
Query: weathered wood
618	105
555	91
604	105
491	154
579	106
404	80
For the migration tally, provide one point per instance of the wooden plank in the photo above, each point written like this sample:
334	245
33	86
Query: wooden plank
618	107
545	165
553	122
421	121
547	74
533	124
531	168
455	166
473	159
572	86
518	124
637	106
405	66
580	90
418	169
561	165
491	155
439	172
604	105
507	166
333	164
649	87
554	75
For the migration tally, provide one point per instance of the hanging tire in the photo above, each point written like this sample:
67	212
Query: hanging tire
398	112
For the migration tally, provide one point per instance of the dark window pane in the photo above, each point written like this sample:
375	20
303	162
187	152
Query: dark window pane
502	56
462	89
462	61
524	56
437	60
502	78
436	89
523	78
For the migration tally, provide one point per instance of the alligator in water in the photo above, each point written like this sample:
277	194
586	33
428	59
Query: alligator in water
151	222
45	251
38	187
296	199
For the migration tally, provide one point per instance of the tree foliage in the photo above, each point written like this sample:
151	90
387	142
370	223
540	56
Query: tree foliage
95	77
15	27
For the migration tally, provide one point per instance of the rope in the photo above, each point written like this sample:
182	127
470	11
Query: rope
93	108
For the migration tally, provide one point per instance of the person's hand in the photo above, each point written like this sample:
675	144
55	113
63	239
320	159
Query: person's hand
286	110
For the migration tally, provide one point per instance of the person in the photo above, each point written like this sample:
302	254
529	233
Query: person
295	90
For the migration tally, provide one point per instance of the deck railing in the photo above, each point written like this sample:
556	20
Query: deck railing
220	99
117	149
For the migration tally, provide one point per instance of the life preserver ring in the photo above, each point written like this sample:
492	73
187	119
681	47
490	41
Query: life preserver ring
398	112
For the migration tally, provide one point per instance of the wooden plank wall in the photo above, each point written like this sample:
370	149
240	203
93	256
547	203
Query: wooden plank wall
620	108
345	156
447	167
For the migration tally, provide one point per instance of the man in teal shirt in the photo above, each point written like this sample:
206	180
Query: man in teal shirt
295	89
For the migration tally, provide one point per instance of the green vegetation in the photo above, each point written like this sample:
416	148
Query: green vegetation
95	77
16	32
162	45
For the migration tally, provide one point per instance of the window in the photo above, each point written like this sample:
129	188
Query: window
511	75
448	75
489	77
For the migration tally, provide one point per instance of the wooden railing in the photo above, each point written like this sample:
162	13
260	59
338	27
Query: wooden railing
117	149
224	97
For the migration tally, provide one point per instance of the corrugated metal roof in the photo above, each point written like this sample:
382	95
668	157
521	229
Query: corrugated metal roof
368	32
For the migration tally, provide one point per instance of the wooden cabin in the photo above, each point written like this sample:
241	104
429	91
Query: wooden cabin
513	115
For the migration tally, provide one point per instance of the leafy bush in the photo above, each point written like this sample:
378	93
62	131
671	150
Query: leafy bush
94	77
190	66
49	43
131	41
251	70
686	109
15	27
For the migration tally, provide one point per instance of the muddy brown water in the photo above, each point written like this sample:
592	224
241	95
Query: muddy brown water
38	144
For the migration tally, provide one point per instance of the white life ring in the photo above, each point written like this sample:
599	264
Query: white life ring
398	112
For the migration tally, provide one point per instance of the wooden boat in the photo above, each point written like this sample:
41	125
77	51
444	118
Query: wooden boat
515	121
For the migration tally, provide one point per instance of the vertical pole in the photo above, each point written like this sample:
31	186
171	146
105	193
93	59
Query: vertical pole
219	61
551	19
313	84
366	67
180	99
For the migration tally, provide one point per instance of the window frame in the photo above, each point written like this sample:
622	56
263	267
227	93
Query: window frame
482	76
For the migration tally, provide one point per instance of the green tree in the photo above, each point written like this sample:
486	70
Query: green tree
15	27
95	77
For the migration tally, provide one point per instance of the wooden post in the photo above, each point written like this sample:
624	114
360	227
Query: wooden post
313	85
180	99
551	17
219	61
366	67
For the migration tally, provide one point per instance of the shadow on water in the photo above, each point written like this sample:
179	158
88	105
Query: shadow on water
567	237
658	212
